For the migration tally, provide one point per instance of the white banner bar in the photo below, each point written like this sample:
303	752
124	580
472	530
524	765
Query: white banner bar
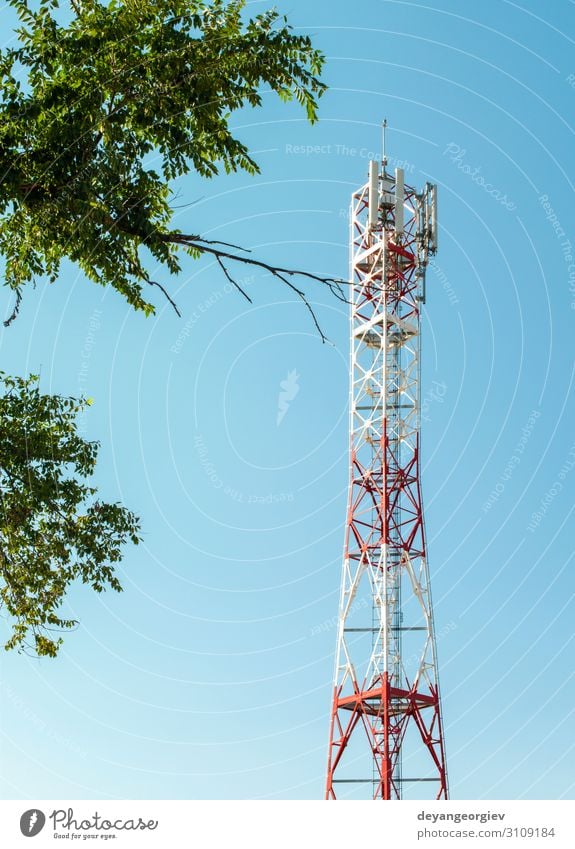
287	825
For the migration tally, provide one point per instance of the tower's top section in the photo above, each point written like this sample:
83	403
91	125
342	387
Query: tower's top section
394	208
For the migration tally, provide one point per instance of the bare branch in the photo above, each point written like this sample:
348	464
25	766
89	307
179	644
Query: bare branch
217	242
232	281
207	246
15	310
303	297
165	293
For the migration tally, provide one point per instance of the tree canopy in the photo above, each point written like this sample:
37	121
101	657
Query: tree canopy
85	102
89	97
53	529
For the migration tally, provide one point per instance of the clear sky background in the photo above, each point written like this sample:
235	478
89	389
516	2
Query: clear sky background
211	675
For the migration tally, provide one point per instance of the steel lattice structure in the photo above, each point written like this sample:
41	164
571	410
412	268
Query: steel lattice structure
386	727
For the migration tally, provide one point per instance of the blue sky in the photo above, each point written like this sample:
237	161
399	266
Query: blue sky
210	675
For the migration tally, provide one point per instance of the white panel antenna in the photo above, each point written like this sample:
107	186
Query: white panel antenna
433	234
373	193
399	200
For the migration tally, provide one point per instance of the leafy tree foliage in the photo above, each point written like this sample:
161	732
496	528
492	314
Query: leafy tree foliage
53	529
122	80
89	96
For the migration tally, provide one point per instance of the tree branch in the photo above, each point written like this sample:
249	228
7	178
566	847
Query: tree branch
232	281
210	247
166	294
15	310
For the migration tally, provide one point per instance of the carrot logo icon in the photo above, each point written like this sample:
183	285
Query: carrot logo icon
32	822
290	388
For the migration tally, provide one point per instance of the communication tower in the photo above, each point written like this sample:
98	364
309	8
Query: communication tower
386	736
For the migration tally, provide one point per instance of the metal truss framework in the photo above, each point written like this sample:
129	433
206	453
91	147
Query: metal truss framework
386	714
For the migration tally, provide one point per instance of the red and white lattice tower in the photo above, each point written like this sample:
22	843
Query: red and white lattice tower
386	736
